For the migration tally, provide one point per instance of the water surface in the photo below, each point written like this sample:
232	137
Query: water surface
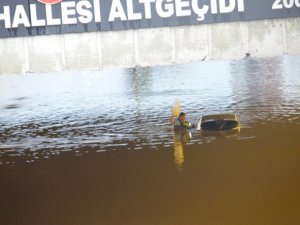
96	147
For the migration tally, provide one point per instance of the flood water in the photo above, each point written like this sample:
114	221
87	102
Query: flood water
93	148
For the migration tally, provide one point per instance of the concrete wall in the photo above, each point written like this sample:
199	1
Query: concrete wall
148	47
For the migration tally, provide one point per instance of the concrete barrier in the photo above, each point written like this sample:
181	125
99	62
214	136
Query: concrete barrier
148	47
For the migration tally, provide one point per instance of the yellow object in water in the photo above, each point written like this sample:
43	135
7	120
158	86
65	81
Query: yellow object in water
178	154
176	109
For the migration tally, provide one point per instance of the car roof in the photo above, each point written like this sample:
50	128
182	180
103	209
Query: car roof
219	117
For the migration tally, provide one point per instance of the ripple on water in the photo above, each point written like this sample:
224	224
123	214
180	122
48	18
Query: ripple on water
12	106
129	109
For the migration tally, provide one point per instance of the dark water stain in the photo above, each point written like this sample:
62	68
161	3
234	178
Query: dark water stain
20	98
13	106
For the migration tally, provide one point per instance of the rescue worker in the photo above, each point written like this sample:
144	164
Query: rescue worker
181	123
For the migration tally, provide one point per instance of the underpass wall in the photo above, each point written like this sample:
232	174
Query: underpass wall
148	47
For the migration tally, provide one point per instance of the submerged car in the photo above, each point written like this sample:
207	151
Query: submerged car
219	123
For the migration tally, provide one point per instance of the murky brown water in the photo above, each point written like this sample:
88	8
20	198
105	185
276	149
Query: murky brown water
96	147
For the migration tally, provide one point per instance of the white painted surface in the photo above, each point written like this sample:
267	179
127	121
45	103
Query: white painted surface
230	40
192	43
118	49
293	36
265	38
154	46
45	53
81	51
12	55
147	47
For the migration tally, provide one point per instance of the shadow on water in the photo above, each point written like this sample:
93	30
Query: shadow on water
97	148
12	106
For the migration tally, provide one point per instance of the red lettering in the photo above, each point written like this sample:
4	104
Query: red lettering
49	1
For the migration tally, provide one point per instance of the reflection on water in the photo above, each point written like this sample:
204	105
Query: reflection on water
97	147
106	109
259	88
129	109
181	138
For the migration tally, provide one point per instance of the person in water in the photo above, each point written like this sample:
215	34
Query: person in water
181	123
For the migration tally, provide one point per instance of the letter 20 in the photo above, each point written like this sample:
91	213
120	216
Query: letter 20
279	4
